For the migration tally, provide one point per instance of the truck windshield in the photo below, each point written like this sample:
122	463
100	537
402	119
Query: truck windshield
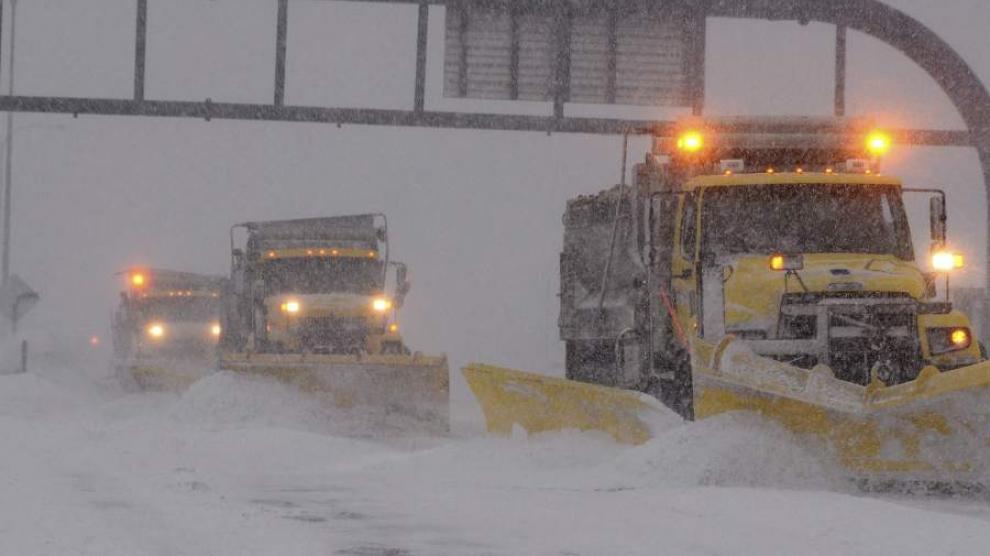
323	275
180	309
806	218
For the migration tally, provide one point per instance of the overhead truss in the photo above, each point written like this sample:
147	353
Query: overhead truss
871	17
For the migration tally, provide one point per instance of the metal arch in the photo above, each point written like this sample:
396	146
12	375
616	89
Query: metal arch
906	34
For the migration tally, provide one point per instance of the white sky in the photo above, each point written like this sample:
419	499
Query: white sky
475	214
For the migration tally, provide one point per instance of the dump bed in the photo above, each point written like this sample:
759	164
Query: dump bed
359	231
589	223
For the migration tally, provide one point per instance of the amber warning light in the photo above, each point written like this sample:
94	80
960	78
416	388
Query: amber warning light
690	142
878	143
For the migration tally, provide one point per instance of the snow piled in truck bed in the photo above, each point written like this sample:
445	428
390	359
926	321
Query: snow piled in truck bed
244	466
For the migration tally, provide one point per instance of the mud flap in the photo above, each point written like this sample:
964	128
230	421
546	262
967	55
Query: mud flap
412	388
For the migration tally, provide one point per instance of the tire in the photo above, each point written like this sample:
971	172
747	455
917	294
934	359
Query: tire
676	391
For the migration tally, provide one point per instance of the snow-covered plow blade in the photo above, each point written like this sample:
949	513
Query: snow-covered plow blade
411	391
935	429
163	373
540	403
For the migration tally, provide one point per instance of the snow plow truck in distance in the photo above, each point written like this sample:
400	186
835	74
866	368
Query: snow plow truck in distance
166	328
770	272
314	302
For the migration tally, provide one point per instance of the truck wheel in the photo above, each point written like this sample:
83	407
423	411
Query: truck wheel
676	385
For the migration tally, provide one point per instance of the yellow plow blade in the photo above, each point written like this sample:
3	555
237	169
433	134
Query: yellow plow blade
539	403
165	374
935	429
414	388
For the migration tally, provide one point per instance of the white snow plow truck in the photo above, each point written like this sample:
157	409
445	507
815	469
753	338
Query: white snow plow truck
764	272
314	302
166	328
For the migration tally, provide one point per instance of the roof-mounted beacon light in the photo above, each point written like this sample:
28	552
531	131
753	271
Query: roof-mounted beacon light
690	142
878	143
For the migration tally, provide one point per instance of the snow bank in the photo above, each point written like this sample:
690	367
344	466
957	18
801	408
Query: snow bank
239	465
225	399
734	449
228	399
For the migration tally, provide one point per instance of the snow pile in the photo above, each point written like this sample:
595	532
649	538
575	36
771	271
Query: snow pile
226	399
735	449
240	465
731	450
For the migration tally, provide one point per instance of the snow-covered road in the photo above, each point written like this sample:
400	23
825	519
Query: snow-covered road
239	466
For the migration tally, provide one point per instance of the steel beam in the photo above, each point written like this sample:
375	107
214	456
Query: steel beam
281	40
140	48
409	118
462	29
419	87
840	70
562	56
611	54
513	52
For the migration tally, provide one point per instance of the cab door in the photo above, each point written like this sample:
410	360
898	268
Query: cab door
684	264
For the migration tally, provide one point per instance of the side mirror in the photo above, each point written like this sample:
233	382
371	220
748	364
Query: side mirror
402	284
938	219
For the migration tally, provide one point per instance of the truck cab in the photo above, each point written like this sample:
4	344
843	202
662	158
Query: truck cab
316	286
795	242
816	268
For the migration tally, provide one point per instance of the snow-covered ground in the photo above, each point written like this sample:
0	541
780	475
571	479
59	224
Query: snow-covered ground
242	466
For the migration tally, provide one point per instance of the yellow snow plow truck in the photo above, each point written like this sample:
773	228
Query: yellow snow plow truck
166	328
770	272
313	302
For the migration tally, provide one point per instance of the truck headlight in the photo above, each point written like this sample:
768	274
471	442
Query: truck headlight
944	340
945	261
156	330
215	330
381	304
291	307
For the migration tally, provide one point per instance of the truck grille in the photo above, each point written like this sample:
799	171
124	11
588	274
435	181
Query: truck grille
333	334
851	335
860	337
